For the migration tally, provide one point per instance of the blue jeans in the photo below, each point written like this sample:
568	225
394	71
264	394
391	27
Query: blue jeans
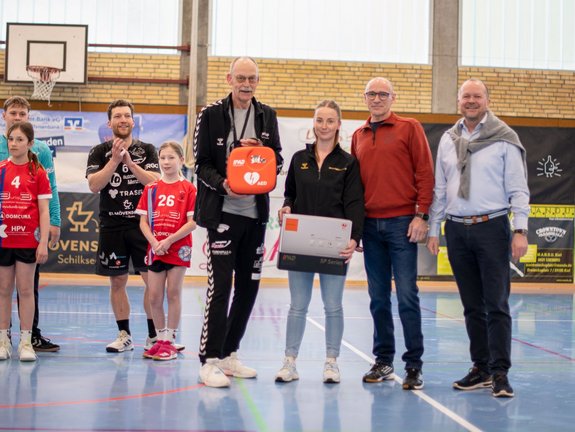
301	286
387	251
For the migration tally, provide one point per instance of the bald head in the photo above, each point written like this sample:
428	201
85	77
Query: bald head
377	82
242	61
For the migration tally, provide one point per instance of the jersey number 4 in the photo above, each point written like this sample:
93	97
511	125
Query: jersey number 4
16	182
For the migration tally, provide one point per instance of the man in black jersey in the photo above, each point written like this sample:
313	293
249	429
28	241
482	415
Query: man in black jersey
119	169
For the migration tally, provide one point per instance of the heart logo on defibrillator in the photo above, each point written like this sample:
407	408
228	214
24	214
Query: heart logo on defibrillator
251	178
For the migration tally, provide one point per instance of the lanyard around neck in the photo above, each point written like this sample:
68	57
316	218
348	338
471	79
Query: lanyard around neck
234	123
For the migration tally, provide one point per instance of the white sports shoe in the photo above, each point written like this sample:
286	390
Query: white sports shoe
231	366
26	352
211	375
5	349
288	372
151	341
331	371
122	343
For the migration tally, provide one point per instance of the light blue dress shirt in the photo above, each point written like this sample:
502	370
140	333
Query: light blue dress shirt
498	181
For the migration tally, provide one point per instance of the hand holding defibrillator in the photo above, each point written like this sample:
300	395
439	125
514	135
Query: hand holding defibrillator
251	169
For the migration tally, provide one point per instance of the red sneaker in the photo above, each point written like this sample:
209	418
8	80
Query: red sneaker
166	352
149	354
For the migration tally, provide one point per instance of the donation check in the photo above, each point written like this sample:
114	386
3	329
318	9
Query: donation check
313	244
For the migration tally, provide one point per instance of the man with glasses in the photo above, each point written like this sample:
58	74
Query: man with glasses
397	174
236	224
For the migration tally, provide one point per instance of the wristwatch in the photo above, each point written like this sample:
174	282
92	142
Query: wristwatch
422	215
520	231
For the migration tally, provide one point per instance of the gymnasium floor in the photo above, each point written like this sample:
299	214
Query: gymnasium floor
83	388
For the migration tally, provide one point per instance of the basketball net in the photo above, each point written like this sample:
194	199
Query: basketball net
44	78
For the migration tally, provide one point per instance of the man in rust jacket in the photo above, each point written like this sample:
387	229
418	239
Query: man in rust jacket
397	174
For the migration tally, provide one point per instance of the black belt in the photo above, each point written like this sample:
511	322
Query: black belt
472	220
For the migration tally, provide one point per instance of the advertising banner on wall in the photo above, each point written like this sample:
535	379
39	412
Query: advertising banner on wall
551	178
68	130
551	181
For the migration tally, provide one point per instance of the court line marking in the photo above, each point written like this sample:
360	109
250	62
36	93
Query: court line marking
101	400
513	338
419	393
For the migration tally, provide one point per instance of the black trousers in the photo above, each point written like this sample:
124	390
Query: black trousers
235	252
479	256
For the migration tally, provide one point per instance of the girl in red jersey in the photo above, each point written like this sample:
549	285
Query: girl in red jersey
167	208
24	227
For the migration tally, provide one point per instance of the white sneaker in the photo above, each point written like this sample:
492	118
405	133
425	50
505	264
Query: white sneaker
231	366
151	341
122	343
288	372
211	375
26	352
5	349
331	371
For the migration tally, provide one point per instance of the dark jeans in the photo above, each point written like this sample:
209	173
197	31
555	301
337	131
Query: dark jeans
479	256
387	251
235	253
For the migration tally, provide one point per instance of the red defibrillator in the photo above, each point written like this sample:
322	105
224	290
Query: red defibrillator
252	170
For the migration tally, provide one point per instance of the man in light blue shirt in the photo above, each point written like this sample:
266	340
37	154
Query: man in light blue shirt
481	176
17	109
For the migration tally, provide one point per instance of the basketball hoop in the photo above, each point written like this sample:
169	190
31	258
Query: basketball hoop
44	78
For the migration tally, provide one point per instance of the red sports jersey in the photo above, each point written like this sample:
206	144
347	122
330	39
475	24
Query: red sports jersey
19	213
172	204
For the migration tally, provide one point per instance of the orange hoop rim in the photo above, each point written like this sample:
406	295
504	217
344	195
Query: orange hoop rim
38	68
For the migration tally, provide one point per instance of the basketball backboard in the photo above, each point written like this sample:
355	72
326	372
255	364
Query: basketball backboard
59	46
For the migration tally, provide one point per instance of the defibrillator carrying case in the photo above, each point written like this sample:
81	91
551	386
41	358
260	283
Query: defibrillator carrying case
252	170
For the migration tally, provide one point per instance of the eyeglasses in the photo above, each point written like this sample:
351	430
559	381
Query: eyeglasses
252	79
382	95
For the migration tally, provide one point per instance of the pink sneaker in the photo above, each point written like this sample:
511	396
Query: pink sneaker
166	352
149	354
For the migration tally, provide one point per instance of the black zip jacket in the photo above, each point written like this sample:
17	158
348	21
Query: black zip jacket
213	126
335	191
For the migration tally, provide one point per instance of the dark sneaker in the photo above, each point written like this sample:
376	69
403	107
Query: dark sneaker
379	372
42	344
413	379
501	387
475	379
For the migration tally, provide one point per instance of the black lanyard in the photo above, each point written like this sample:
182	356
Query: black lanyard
236	142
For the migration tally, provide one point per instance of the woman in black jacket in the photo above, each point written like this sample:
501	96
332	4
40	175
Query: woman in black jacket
322	180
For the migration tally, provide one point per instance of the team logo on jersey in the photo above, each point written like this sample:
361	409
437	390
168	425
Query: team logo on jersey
185	253
116	180
138	155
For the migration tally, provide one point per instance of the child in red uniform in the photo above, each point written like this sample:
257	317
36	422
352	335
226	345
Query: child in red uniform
167	208
24	227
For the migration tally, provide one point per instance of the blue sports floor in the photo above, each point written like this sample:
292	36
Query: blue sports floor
83	388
